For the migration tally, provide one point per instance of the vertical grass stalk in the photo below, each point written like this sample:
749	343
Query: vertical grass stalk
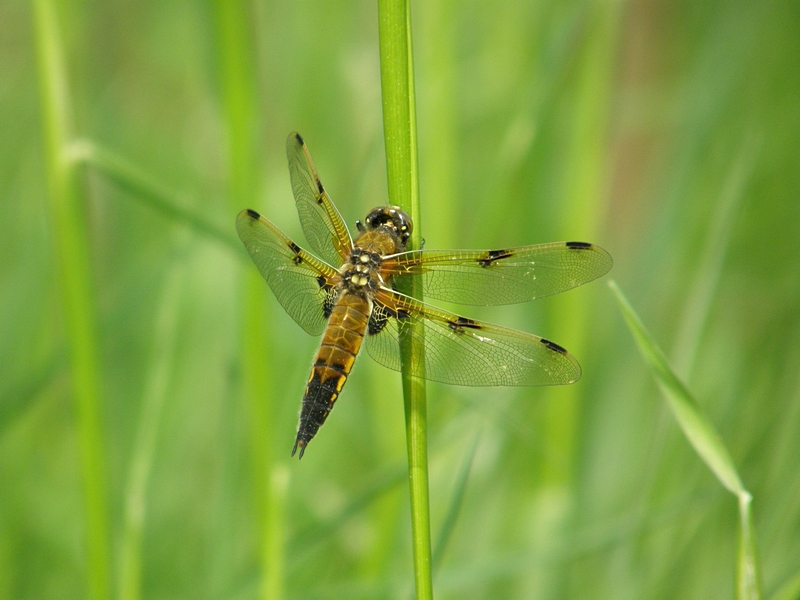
584	206
76	287
704	284
144	447
400	134
238	76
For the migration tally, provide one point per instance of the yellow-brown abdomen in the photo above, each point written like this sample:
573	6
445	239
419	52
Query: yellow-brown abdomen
334	360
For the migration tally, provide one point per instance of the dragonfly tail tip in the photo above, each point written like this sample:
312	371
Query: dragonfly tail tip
302	445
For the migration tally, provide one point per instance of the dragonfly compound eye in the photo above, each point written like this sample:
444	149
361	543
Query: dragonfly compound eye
391	217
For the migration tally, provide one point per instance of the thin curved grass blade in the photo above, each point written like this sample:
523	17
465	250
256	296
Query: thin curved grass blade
704	439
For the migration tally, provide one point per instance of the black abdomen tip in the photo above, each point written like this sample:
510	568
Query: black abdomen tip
302	444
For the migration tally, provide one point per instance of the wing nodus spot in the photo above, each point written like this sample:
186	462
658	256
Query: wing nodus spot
493	255
579	245
553	346
296	249
321	191
462	322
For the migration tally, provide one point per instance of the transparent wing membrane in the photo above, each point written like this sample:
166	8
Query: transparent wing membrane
299	280
495	277
322	224
461	351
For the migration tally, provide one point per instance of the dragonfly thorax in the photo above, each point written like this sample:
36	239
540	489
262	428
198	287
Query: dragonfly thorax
360	272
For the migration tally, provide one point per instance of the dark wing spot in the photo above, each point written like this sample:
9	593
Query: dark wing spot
553	346
396	314
299	139
377	319
253	214
461	322
322	282
321	191
493	255
579	245
296	249
465	322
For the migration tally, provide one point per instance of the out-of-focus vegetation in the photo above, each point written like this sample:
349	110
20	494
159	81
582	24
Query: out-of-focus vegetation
668	133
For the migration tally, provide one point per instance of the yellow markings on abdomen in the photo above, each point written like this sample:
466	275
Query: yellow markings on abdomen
333	363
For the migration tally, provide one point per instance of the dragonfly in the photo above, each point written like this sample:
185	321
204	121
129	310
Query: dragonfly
348	292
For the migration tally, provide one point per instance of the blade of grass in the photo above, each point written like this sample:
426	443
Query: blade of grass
454	509
238	76
303	545
583	208
706	442
155	392
19	397
400	134
307	540
147	189
789	590
76	288
701	294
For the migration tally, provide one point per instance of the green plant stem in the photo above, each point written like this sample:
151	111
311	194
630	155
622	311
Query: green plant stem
400	134
584	200
238	77
155	392
457	501
76	287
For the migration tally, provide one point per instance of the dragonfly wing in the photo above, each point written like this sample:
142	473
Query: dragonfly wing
322	224
462	351
494	277
299	281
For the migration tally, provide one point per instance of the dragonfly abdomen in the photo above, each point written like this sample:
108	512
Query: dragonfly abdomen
333	363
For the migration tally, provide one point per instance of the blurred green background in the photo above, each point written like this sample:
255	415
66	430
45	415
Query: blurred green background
666	132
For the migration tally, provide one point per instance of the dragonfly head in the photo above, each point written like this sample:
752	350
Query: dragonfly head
392	218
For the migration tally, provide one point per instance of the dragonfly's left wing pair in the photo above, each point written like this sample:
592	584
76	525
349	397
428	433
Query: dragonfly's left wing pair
300	281
322	224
